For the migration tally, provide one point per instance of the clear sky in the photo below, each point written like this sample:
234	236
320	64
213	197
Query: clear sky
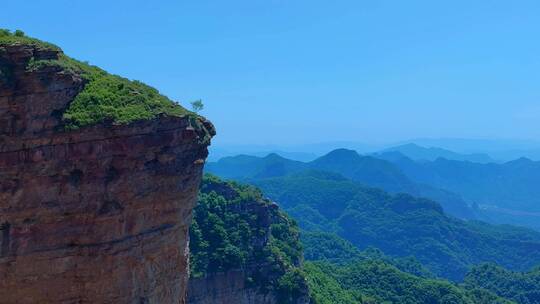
311	71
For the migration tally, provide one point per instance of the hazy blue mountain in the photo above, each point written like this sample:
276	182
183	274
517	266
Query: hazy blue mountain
500	193
400	225
512	185
299	156
497	215
367	170
300	152
419	153
247	166
500	149
217	153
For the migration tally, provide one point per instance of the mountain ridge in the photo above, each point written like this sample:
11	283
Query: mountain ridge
419	153
371	171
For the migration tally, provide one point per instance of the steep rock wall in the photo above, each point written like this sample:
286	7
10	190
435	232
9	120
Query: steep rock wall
228	287
97	215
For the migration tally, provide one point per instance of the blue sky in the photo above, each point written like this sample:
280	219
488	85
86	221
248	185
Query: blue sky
284	72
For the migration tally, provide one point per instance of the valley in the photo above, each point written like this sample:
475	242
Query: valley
363	219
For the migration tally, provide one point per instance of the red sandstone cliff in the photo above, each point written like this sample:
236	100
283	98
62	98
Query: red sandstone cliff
97	215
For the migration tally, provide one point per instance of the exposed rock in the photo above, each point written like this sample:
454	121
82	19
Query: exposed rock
233	287
97	215
225	288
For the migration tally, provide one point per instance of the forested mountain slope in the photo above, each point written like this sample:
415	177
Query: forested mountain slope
522	287
507	192
245	250
400	225
367	170
497	193
379	282
420	153
512	184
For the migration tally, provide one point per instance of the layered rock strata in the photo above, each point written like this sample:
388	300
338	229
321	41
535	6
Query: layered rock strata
96	215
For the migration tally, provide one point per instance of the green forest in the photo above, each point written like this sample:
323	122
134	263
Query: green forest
234	227
400	225
333	269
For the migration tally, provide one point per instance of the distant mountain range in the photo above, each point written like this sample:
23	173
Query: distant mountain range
419	153
475	150
499	193
217	153
508	192
500	149
368	170
400	225
238	236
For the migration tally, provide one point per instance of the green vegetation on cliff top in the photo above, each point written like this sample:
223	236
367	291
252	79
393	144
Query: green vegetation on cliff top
108	97
105	97
18	37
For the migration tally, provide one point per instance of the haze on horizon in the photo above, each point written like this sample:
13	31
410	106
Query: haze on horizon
307	72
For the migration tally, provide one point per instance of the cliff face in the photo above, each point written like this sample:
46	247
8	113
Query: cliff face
96	215
228	287
244	249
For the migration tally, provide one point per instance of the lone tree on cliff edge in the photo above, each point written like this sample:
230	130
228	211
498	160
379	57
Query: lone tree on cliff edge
197	105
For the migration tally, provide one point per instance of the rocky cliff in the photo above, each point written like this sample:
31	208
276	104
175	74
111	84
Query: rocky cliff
228	287
244	249
97	214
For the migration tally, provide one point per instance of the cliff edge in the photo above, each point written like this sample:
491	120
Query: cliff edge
96	191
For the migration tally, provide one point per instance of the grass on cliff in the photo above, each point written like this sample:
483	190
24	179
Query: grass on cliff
108	97
18	37
105	97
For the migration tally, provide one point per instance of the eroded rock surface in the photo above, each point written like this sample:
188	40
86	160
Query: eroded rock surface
96	215
229	287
